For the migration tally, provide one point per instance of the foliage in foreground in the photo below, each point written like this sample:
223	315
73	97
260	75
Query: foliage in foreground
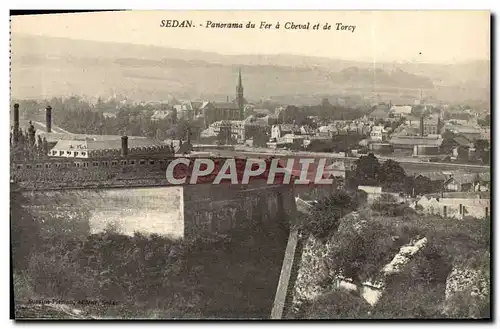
362	245
152	276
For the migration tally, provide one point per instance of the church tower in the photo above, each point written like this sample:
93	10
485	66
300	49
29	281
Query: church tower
239	96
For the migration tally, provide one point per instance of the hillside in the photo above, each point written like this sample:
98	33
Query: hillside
47	67
398	264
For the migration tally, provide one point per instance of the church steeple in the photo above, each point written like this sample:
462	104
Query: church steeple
239	96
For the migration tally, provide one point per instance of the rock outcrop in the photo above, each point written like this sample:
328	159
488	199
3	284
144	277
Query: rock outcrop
467	289
315	277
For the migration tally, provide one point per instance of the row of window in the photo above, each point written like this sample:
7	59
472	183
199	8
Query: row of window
75	153
86	164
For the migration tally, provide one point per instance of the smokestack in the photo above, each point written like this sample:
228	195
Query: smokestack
422	126
16	117
48	118
124	146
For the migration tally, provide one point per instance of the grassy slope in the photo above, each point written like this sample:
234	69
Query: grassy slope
154	277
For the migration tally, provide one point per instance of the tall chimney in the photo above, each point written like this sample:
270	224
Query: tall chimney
422	126
48	118
124	152
16	117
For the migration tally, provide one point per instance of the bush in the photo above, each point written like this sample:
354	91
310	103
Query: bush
392	209
338	305
360	253
326	214
153	275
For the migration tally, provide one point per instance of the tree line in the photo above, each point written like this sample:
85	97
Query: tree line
390	176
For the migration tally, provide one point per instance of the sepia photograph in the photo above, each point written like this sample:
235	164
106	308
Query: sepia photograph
250	165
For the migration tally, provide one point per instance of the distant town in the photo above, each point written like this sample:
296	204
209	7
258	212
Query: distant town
421	130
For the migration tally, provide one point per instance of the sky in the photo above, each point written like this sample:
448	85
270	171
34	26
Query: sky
402	36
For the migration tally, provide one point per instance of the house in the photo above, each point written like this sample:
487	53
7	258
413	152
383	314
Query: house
452	185
483	182
306	130
431	125
409	142
316	139
378	133
293	139
329	130
160	115
462	183
278	131
236	128
188	110
85	149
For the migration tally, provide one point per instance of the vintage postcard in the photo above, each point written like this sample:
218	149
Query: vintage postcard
250	165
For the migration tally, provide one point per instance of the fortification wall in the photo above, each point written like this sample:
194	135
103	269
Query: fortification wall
179	212
81	173
126	210
219	208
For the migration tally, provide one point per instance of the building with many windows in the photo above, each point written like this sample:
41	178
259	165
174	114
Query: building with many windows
85	149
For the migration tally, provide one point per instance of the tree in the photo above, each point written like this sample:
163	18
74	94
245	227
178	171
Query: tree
289	114
174	116
481	145
482	151
463	154
183	126
486	121
422	185
367	170
392	176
